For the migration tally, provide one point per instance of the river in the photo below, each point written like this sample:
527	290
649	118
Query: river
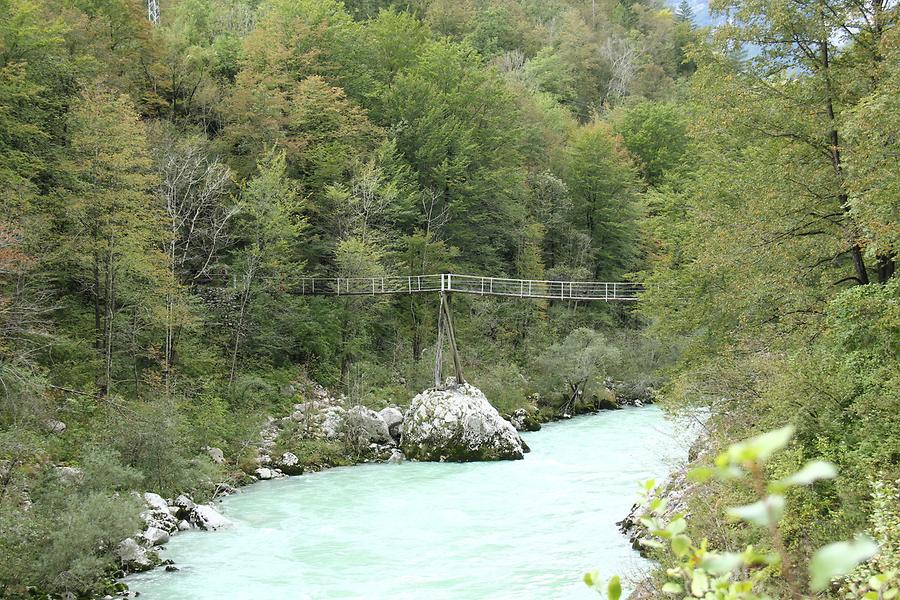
517	530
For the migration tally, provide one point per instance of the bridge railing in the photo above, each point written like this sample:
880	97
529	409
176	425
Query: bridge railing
531	288
369	286
469	284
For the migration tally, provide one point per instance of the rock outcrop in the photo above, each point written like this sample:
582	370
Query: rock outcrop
457	424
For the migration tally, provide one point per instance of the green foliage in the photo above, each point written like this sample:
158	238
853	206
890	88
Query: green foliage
59	544
604	191
577	366
698	571
656	135
163	188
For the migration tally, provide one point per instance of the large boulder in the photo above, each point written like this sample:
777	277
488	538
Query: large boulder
158	514
290	463
364	426
134	558
207	517
154	536
393	418
457	424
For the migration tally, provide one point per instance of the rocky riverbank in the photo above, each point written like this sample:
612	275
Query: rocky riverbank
453	424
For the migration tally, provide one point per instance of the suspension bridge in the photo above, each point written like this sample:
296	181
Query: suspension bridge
447	283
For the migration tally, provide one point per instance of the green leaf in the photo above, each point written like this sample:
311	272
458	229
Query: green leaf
721	563
758	448
816	470
699	583
614	589
591	577
677	526
763	513
838	559
672	588
651	543
681	545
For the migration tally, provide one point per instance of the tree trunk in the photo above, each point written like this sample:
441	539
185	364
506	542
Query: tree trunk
245	298
110	311
859	264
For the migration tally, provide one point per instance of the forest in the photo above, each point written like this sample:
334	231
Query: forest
164	188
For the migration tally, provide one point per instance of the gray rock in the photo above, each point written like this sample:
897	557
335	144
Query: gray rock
69	475
264	473
290	464
135	558
185	506
216	455
54	426
457	424
393	418
160	518
208	518
156	502
396	457
154	536
183	525
333	421
363	425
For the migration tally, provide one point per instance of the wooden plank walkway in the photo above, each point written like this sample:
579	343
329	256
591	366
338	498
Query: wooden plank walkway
470	284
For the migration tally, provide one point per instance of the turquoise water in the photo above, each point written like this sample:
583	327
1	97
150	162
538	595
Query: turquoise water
526	529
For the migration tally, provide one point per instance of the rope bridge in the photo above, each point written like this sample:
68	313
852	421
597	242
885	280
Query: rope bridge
471	284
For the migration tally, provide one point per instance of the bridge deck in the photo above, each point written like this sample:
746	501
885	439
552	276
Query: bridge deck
470	284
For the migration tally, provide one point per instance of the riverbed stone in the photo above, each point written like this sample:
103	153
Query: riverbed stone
135	558
208	518
289	463
457	424
264	473
185	506
155	536
523	420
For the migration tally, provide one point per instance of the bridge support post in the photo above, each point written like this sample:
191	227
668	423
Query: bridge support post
445	319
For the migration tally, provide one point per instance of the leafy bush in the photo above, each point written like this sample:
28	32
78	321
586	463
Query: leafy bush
61	536
698	571
575	368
